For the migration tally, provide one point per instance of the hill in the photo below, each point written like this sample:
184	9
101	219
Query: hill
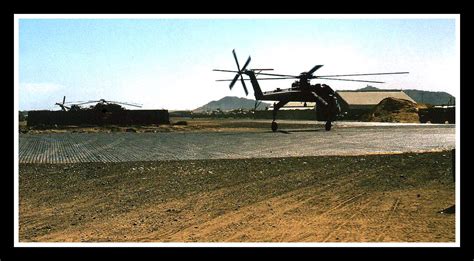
427	97
231	103
434	98
369	88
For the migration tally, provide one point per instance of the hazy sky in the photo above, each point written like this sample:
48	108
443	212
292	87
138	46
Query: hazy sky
167	63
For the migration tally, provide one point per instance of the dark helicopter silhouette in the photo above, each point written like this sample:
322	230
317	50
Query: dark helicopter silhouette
101	104
327	106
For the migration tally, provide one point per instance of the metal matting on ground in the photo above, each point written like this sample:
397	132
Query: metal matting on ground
124	147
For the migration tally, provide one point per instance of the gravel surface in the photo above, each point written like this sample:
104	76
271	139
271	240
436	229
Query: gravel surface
373	198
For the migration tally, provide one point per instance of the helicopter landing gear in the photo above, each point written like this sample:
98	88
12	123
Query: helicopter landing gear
328	126
276	107
274	126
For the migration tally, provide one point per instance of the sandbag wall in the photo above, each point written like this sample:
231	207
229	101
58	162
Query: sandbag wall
93	117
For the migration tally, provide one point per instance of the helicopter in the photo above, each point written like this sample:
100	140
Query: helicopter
101	104
327	106
63	107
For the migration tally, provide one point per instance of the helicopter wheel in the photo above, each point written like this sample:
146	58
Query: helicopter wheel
274	126
328	126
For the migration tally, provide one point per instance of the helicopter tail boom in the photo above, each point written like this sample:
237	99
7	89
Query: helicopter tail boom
256	87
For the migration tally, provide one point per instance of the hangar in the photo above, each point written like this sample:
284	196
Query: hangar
356	103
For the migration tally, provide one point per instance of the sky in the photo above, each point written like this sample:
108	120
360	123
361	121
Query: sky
166	63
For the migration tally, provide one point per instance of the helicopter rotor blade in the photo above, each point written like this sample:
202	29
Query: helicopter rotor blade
280	75
243	84
310	72
275	78
361	74
82	103
133	104
219	70
236	61
73	102
234	80
350	80
238	72
242	78
64	99
261	69
125	103
245	65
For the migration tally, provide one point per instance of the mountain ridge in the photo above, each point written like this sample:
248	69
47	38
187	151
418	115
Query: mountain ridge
231	103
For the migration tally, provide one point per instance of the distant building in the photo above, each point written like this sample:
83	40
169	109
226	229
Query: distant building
356	103
364	100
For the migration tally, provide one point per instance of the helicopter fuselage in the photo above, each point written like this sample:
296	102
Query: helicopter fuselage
327	106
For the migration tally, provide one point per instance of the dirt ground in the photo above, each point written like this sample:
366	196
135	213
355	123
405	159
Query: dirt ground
176	125
376	198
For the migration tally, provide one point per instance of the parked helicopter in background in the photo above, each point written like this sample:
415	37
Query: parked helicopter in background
101	104
327	106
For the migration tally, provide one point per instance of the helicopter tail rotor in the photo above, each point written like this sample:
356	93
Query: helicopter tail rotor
239	73
63	107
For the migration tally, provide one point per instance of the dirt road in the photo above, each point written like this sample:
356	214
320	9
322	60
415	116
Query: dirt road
378	198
